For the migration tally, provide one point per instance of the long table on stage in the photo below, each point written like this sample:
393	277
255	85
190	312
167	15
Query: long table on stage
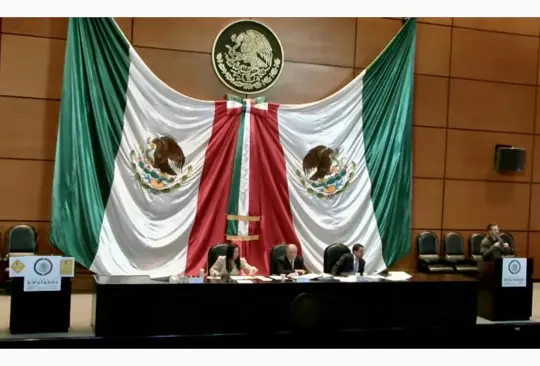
139	306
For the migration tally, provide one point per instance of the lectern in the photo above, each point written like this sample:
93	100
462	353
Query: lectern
506	289
40	293
40	312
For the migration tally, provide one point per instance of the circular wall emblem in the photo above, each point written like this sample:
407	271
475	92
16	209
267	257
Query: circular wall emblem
514	267
247	57
43	266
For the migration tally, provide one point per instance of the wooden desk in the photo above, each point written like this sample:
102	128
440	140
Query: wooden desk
138	306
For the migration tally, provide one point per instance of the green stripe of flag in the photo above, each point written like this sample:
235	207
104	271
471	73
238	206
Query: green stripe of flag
96	73
232	225
387	98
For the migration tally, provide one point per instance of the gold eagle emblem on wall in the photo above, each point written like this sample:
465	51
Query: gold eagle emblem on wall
247	57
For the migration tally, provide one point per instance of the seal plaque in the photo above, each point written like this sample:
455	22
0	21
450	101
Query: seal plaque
247	57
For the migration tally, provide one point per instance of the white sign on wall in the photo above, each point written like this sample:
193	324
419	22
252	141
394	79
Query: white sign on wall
514	272
41	273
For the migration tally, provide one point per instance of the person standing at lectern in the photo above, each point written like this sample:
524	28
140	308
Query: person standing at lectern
291	264
493	247
350	263
231	264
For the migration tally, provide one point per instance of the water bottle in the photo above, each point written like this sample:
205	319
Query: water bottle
201	274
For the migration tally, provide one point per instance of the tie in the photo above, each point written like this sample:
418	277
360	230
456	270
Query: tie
355	265
292	265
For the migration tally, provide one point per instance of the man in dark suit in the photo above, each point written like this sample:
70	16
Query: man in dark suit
291	263
350	263
493	247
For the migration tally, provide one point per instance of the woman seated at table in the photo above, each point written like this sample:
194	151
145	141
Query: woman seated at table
231	264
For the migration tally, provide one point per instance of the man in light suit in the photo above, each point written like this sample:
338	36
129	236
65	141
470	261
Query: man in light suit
350	263
291	263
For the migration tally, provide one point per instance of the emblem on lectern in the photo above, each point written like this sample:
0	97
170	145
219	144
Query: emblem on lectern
67	267
514	267
43	267
17	266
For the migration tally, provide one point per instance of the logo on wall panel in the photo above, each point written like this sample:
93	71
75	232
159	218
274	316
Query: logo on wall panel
247	57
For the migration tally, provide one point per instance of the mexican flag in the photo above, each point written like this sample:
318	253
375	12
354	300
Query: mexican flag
148	180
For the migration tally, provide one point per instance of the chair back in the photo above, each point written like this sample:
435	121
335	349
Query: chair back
215	252
453	246
331	255
428	246
22	239
508	238
276	252
475	245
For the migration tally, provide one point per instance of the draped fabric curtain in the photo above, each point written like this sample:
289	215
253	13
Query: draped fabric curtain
118	211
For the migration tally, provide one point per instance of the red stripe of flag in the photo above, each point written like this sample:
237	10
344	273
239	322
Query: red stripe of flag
269	192
210	221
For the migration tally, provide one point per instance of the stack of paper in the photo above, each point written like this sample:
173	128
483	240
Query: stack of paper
375	277
398	276
236	278
162	275
244	281
262	278
347	279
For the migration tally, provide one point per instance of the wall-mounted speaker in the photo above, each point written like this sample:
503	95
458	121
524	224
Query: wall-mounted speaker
509	158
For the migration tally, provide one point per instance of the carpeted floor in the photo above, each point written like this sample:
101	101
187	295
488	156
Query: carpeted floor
81	309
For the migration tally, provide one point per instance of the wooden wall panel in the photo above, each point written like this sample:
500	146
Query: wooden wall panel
185	34
28	128
534	252
427	203
533	158
471	205
428	152
50	27
325	41
521	241
430	101
491	56
526	26
479	105
433	49
42	27
125	25
372	35
31	67
471	155
441	21
537	124
534	224
25	191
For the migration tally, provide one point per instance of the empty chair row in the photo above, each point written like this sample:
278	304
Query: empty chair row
453	258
